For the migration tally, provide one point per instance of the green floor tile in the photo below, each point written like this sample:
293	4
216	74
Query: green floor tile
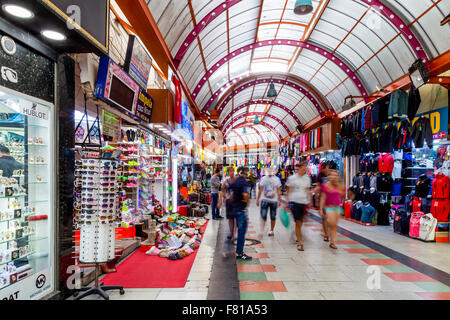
252	276
355	246
433	286
344	239
376	256
400	269
253	261
257	296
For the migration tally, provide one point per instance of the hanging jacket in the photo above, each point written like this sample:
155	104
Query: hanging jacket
403	139
378	134
414	101
387	138
422	131
363	115
368	118
398	105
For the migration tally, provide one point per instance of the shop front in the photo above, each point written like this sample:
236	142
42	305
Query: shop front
397	164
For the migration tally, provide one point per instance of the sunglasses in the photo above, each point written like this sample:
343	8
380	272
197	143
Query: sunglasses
84	222
107	184
89	167
92	161
85	216
111	205
87	177
106	217
106	190
88	172
88	206
105	211
88	183
108	164
89	211
108	172
108	178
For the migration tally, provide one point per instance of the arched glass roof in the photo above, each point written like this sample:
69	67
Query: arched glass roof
344	47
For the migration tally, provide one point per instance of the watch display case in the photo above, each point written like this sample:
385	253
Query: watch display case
26	195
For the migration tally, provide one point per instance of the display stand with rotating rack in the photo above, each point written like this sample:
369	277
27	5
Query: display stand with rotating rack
98	204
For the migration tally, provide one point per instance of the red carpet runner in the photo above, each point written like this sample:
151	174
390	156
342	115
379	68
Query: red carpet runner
143	271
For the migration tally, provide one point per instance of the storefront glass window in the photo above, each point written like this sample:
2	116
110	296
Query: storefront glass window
26	198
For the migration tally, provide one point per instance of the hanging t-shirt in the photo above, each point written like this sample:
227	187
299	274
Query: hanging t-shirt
269	188
299	188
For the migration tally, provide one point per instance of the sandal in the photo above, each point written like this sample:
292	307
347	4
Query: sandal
300	247
326	238
333	246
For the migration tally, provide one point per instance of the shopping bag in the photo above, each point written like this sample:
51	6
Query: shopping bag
285	218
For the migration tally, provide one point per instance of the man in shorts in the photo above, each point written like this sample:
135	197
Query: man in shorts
269	195
299	196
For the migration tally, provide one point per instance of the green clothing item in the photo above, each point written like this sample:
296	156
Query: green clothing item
252	179
398	105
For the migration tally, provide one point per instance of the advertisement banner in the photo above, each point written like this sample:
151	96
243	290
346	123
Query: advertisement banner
144	106
110	125
33	287
138	62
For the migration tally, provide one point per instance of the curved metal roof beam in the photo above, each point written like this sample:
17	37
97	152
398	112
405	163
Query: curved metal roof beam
382	9
253	102
278	81
236	82
283	42
264	124
224	129
401	26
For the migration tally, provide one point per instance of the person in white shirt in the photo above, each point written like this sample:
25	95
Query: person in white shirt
299	196
269	196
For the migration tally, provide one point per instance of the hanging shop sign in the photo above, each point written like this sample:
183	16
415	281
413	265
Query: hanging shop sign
90	19
115	86
187	119
144	106
110	125
138	62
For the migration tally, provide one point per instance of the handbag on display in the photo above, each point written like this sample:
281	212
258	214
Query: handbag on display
414	224
427	229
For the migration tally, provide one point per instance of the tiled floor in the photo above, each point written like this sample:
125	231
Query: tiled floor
353	272
278	271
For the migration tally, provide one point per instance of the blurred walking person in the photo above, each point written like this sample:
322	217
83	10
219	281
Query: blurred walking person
331	198
299	197
269	196
215	189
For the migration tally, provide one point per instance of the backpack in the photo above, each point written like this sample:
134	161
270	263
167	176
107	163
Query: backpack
427	229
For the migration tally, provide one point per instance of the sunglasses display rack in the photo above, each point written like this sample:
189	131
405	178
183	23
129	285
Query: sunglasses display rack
96	207
130	177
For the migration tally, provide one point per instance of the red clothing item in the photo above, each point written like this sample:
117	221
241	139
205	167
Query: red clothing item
417	203
385	163
441	187
440	209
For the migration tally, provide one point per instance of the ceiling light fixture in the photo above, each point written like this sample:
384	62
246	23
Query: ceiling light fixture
256	121
303	7
53	35
18	11
272	93
419	74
